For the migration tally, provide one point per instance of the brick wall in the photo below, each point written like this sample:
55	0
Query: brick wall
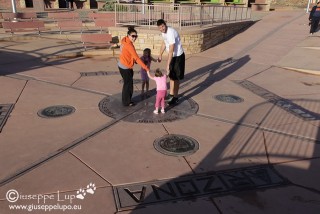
6	4
193	41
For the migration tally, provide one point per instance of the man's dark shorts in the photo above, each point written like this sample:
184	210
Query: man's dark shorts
177	66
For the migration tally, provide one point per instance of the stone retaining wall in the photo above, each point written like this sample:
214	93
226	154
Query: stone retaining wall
193	41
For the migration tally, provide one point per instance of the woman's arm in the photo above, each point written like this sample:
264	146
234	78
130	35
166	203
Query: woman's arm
136	58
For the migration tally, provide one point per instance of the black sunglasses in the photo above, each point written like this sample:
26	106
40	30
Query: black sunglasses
134	36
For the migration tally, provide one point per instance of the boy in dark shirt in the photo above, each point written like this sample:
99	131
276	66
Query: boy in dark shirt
314	18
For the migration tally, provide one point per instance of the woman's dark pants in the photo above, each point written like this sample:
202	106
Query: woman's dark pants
127	89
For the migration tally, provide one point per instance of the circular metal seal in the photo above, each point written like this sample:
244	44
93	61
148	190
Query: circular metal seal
142	112
176	145
228	98
56	111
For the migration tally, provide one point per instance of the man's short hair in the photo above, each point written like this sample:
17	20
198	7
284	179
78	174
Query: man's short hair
161	22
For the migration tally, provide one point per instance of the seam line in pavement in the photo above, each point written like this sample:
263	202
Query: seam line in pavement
266	147
25	85
184	158
26	77
259	128
307	188
258	73
84	163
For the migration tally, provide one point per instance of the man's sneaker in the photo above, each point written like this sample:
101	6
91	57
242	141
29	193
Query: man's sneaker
156	111
173	101
169	98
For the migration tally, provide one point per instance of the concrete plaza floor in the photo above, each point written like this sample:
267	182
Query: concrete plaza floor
260	155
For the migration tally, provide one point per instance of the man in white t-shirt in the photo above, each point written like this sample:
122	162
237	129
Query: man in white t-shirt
176	58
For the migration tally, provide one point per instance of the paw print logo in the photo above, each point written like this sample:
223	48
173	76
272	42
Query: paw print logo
91	188
81	193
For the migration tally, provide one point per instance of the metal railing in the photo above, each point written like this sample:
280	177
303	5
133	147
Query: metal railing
179	16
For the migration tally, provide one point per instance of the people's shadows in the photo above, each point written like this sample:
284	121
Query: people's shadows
214	72
242	162
13	62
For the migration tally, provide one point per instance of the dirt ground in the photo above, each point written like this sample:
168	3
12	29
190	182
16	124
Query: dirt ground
290	3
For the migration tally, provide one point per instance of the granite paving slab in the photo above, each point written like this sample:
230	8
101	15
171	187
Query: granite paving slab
222	145
290	199
203	205
103	148
135	154
70	174
10	89
281	148
302	172
107	84
38	131
297	84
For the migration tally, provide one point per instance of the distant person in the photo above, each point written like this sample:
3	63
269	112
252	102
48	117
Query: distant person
314	18
47	3
128	57
161	82
67	3
70	4
176	58
146	58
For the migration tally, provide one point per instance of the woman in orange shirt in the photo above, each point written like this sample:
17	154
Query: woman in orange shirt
128	56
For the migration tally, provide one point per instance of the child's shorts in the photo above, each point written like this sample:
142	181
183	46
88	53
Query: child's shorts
144	76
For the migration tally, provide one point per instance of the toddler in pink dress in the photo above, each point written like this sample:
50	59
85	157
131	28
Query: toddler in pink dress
161	82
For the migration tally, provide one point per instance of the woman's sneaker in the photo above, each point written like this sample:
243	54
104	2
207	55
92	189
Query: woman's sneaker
163	111
156	111
173	101
168	98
